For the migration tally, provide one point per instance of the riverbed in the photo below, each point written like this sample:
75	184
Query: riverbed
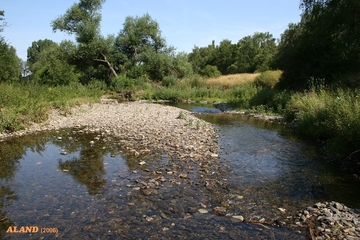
94	182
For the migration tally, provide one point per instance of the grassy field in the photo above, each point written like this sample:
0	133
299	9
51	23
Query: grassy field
229	81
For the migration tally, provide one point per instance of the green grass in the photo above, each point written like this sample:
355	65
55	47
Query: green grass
22	104
332	116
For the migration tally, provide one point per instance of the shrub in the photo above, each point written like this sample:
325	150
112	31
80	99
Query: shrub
242	95
197	82
121	82
331	117
210	71
168	81
268	79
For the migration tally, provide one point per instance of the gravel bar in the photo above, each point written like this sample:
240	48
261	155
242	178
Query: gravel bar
144	126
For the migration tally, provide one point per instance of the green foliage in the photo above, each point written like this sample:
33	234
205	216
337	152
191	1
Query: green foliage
332	117
94	56
200	57
181	115
196	82
82	19
242	95
37	48
224	57
255	53
122	82
143	51
268	79
251	54
21	104
324	45
168	81
181	66
50	68
210	72
9	63
2	20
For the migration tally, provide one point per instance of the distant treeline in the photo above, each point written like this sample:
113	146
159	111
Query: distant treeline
324	46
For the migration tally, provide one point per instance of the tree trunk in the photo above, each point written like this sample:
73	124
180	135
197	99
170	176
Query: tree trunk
108	63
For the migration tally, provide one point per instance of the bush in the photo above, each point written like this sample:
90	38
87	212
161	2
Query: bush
168	81
268	79
211	72
242	95
121	82
331	117
197	82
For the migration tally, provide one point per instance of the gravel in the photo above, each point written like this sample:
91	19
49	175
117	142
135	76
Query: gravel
145	127
330	220
142	126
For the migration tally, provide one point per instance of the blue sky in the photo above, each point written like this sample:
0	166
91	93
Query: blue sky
183	23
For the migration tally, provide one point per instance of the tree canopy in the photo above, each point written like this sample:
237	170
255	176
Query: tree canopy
9	61
143	50
92	53
250	54
2	20
323	46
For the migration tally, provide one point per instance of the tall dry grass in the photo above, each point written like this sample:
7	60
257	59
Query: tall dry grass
229	81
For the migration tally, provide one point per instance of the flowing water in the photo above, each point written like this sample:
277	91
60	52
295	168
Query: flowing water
60	182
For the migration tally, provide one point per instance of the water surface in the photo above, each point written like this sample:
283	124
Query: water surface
98	189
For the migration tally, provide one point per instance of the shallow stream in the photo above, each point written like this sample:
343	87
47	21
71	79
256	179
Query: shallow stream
85	185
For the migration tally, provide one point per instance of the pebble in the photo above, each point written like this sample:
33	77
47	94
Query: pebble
203	211
239	218
331	220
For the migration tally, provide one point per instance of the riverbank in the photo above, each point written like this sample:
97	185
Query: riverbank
142	125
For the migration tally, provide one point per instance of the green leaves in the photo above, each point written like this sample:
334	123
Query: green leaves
144	51
251	54
9	63
325	44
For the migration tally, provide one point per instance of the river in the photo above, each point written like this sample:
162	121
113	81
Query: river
100	190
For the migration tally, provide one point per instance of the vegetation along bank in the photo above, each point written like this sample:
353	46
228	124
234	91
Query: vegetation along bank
310	75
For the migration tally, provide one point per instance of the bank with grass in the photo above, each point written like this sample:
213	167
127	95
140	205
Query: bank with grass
321	113
326	114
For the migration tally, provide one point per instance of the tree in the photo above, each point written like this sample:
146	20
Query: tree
250	54
2	19
92	54
200	57
142	49
181	66
36	48
9	63
82	19
293	57
255	53
224	57
326	42
51	66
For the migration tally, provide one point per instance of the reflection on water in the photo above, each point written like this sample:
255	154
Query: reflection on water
37	177
88	186
90	190
266	158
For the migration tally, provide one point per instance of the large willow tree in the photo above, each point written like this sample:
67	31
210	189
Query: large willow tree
94	52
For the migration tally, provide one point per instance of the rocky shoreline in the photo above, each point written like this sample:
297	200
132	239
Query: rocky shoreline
143	125
330	220
147	127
